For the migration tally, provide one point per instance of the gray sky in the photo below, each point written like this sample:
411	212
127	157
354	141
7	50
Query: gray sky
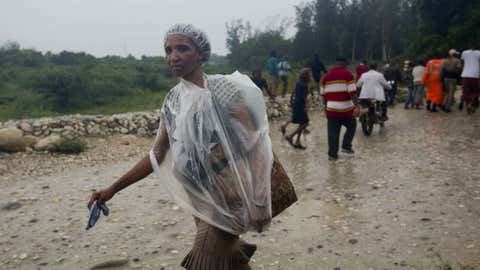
119	27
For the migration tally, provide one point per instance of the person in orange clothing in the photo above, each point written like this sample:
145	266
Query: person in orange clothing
432	78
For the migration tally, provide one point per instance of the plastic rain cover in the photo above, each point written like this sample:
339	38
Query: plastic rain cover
221	152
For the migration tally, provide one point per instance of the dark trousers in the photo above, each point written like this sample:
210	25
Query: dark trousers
471	89
284	85
333	127
392	94
410	96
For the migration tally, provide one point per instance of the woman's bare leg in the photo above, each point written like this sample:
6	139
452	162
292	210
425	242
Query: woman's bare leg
300	132
295	132
283	128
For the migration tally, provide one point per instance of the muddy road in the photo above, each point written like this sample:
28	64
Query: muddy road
408	199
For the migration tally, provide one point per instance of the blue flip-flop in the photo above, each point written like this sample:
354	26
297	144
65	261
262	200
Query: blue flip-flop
94	213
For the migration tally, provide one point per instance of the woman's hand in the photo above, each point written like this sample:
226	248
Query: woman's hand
259	218
101	196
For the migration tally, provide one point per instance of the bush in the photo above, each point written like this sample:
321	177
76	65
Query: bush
17	104
71	146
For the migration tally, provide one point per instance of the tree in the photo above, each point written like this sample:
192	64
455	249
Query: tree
325	28
237	32
10	46
250	50
304	41
62	87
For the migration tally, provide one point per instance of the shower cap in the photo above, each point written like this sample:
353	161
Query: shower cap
196	35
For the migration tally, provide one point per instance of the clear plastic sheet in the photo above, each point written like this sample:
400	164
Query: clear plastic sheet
221	152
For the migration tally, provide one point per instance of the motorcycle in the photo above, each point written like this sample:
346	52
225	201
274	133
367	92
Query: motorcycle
370	115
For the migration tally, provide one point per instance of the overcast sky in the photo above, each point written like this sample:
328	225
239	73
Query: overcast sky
120	27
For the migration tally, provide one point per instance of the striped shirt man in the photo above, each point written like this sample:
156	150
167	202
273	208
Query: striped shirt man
338	86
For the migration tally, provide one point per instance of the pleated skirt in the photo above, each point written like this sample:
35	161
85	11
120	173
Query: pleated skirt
215	249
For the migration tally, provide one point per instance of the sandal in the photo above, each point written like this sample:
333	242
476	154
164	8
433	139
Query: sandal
290	141
300	146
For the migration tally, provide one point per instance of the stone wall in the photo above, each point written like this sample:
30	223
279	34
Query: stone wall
136	123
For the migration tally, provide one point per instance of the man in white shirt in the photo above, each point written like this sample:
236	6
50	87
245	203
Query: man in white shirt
373	85
470	76
283	70
418	88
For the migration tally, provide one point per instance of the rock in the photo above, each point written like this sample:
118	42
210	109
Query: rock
3	169
33	220
95	130
12	206
11	140
26	127
111	263
48	143
123	130
353	241
30	140
142	132
127	139
275	113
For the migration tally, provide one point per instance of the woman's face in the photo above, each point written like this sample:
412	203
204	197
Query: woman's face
182	56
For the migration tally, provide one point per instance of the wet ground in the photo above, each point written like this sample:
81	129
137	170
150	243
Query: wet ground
408	199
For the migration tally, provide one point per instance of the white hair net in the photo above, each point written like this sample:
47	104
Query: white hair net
221	152
196	35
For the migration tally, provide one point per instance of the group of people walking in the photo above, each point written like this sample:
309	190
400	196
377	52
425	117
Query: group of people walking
341	105
439	79
431	86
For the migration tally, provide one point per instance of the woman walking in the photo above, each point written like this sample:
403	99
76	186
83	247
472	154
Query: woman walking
298	101
432	78
217	129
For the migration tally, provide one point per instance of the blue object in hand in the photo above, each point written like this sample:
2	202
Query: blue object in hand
94	214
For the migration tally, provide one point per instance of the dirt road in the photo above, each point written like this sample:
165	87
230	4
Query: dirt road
408	199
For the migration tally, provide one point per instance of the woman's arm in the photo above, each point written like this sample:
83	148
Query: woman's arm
141	170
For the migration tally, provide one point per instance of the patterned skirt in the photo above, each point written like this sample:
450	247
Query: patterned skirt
215	249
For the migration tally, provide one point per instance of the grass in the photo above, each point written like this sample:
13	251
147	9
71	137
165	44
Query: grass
142	100
27	104
71	146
